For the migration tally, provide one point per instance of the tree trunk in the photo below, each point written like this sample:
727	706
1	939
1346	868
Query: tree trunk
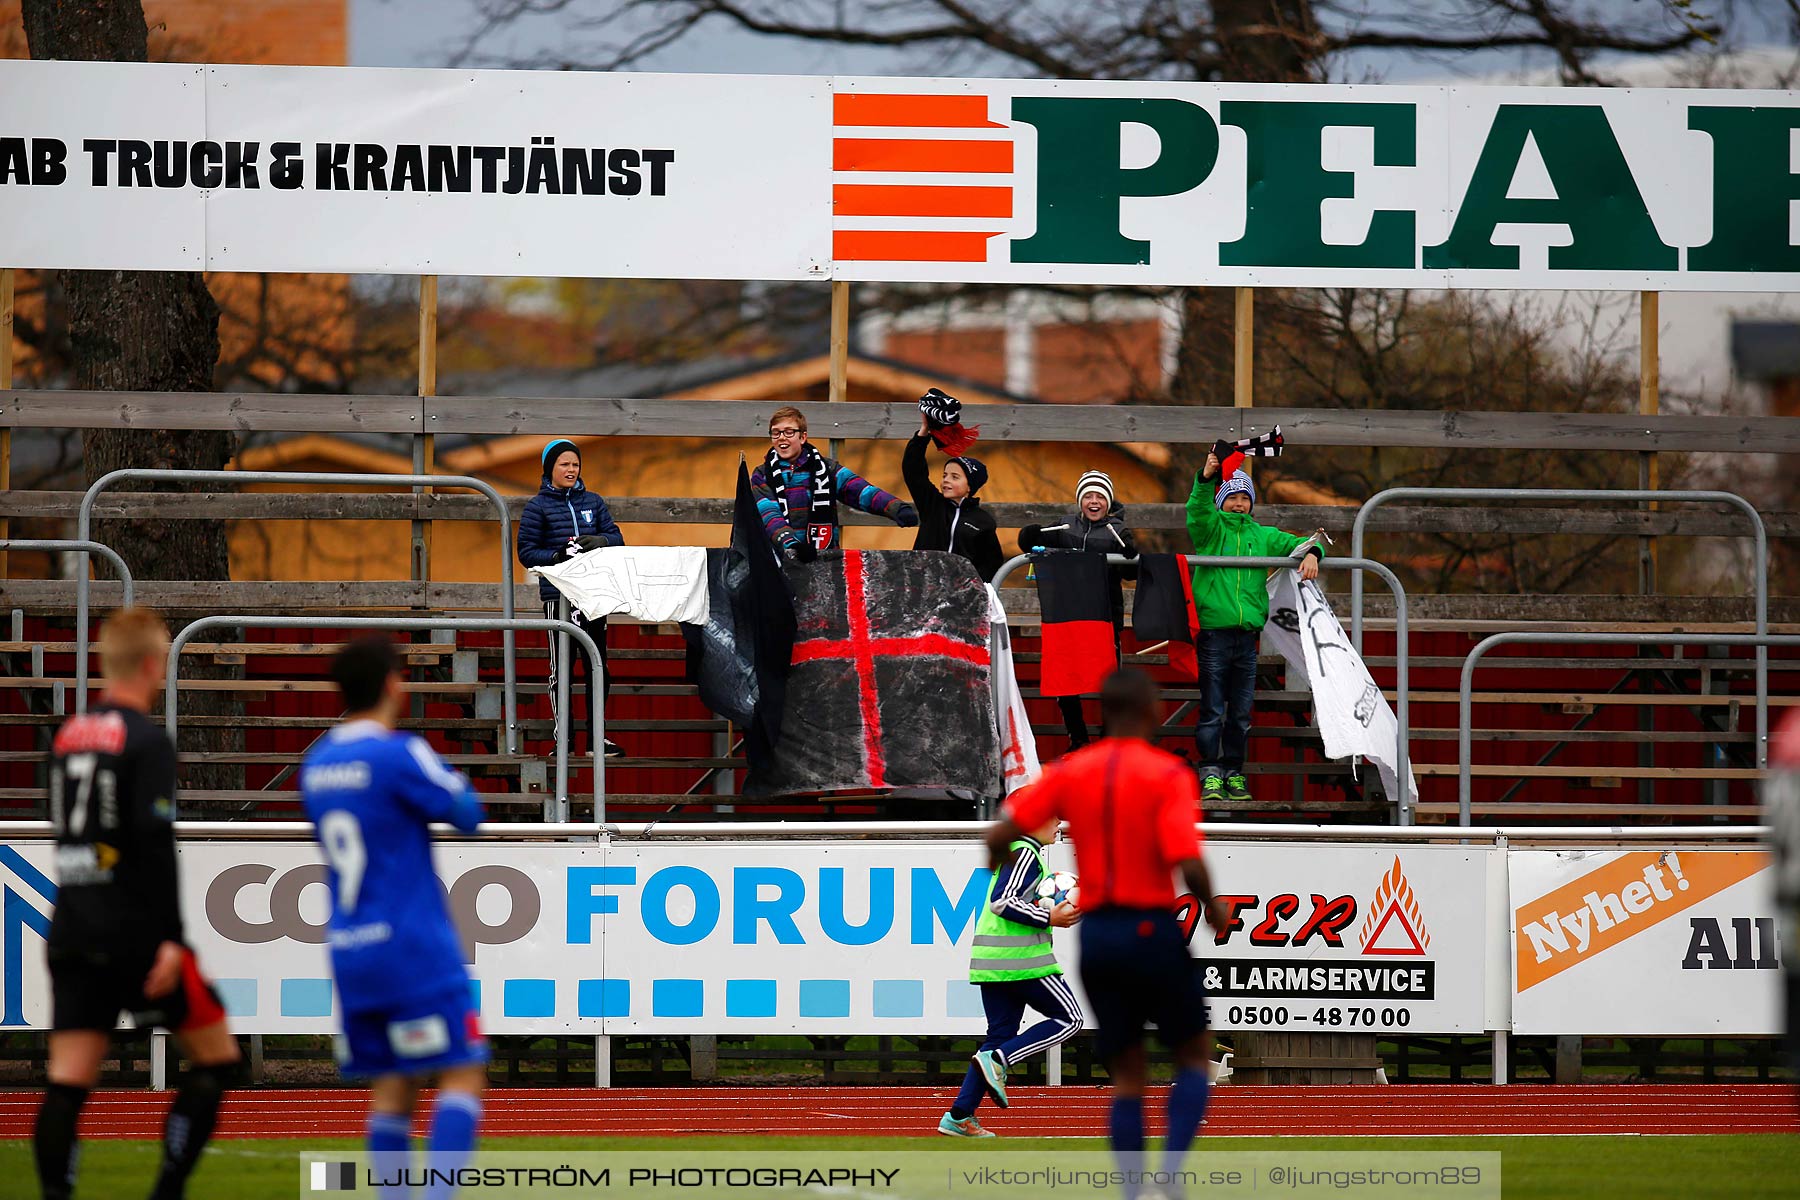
143	331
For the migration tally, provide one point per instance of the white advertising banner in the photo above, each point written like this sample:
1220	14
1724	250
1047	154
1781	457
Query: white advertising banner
753	937
1659	942
1346	939
234	168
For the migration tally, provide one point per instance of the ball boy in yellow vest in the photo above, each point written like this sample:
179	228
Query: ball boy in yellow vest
1015	968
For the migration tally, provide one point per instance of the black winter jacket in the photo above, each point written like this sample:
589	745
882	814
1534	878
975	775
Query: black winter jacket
555	515
1105	536
966	529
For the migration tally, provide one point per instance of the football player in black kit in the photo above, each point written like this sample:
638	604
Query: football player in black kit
115	941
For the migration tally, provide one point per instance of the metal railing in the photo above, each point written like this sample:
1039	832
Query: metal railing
556	807
1403	765
1466	690
469	482
1760	563
808	831
86	547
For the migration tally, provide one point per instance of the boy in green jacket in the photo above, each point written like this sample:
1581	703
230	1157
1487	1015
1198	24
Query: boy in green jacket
1233	605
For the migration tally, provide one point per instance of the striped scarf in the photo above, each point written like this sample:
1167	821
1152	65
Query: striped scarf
1231	455
804	488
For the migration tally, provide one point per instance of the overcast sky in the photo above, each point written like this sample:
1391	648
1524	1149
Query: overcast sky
428	33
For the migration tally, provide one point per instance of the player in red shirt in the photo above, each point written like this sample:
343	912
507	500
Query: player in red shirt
1131	810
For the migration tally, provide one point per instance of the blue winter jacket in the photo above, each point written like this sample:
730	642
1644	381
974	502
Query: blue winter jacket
555	515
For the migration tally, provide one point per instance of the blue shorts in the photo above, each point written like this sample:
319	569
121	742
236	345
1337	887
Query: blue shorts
416	1038
1136	970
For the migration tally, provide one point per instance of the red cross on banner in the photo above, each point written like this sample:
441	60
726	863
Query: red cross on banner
889	682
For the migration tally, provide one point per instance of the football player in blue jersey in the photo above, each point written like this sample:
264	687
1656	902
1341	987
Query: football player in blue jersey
408	1010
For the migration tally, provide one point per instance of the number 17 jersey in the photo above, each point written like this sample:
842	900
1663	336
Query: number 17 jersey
371	793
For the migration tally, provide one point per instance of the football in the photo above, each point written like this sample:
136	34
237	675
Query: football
1057	887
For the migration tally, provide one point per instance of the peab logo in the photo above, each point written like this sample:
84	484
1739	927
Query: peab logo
938	178
19	912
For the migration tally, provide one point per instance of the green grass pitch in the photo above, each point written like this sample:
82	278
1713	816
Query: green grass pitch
1740	1167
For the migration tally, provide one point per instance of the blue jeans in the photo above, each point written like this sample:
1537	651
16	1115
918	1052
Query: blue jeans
1227	690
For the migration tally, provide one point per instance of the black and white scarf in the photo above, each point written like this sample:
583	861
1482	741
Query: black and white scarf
1231	455
804	488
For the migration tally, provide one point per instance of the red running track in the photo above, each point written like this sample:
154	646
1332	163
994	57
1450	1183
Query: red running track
1404	1110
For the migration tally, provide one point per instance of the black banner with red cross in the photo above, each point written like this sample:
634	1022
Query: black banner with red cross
889	684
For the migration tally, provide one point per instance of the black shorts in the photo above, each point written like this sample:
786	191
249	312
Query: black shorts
90	994
1136	969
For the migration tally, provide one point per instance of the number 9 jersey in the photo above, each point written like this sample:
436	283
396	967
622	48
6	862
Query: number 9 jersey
371	793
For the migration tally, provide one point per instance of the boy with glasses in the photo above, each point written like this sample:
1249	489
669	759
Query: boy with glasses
798	491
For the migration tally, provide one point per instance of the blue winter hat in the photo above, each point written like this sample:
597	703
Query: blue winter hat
1239	482
553	450
974	470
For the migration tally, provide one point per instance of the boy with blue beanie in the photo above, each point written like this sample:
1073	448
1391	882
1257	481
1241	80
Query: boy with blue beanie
565	519
1233	606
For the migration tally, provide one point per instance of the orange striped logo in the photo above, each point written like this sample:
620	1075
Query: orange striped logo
914	218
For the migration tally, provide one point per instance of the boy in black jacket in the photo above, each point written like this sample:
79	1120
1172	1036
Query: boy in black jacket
1097	526
950	516
563	520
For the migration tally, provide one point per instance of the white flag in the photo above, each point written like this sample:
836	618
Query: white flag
1018	745
1353	715
651	583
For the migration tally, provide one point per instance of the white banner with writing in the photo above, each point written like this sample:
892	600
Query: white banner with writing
1660	942
755	937
241	168
1354	718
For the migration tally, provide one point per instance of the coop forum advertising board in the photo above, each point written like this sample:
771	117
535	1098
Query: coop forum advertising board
285	169
826	937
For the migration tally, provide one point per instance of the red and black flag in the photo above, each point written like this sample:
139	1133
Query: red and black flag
1163	609
889	685
1231	455
1075	602
739	657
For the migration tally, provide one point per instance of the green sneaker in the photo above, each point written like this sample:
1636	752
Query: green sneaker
993	1069
949	1126
1237	787
1212	788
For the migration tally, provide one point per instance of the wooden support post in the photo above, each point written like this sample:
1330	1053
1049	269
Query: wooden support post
1649	479
424	442
1649	401
1244	351
840	351
6	382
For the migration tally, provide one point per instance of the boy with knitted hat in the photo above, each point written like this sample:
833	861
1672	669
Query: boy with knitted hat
1233	606
950	515
1097	526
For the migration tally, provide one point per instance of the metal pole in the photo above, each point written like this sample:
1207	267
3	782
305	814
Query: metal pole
101	548
1758	529
84	524
559	805
1500	1063
663	831
1357	565
85	546
1465	695
471	624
